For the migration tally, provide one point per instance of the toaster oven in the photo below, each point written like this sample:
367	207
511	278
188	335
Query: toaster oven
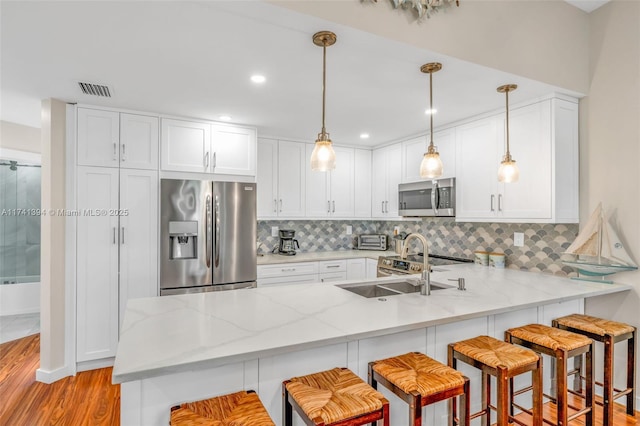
372	242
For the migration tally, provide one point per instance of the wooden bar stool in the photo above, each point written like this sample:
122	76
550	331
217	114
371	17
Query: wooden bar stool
561	345
419	381
239	409
609	333
334	397
503	361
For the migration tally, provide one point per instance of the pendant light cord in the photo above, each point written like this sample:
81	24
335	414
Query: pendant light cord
508	156
324	83
431	107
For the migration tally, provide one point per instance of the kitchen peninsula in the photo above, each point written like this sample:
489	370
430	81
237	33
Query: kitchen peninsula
188	347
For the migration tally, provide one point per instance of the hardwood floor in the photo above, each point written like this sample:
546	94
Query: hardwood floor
90	399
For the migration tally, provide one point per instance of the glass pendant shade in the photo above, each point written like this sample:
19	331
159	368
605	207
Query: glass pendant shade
323	157
431	165
508	171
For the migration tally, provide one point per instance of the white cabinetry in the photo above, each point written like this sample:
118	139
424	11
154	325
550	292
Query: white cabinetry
331	193
413	151
356	269
372	268
386	175
113	139
189	146
362	183
332	270
281	178
288	273
544	142
116	252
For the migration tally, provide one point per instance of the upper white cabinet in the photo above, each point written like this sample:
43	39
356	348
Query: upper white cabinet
281	178
113	139
189	146
233	149
331	193
362	183
186	146
544	143
413	150
386	176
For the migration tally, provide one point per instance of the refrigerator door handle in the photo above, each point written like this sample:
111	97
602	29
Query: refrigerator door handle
217	219
207	232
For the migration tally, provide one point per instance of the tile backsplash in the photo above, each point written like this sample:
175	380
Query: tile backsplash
542	250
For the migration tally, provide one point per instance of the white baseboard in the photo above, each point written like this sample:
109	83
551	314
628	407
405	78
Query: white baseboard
53	376
94	365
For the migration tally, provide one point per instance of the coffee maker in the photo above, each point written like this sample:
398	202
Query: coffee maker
288	244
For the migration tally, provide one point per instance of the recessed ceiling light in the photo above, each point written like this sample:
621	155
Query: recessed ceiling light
258	78
364	135
225	117
431	111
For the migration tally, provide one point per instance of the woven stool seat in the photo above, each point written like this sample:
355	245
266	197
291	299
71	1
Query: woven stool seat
416	372
334	395
237	409
549	337
595	325
495	353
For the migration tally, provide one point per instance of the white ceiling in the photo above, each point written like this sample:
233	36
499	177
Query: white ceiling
195	58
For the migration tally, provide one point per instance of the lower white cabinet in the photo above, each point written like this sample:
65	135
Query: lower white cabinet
116	252
371	268
312	272
356	269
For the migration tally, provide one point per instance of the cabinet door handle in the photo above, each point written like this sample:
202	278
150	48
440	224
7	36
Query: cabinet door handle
124	157
114	235
280	205
333	266
382	209
214	161
500	202
386	207
492	198
334	206
206	161
122	242
115	151
275	205
328	206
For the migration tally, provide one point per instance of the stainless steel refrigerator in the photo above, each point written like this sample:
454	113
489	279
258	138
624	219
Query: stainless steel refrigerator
208	236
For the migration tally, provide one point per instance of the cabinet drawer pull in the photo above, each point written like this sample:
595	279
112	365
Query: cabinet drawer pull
124	156
115	151
333	266
288	269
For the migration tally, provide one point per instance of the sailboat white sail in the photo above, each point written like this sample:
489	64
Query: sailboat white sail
600	247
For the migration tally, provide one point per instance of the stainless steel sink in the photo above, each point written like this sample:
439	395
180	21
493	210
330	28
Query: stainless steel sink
389	288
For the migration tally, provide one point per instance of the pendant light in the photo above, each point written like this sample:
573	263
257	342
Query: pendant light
508	171
323	157
431	165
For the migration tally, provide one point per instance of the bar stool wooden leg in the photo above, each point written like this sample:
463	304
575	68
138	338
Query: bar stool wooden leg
287	409
503	396
536	379
486	398
607	392
631	373
589	387
561	382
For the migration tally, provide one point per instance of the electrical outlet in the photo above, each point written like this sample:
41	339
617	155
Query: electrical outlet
518	239
396	230
349	229
274	231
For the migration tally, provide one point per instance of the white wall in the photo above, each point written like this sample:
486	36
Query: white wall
610	147
19	137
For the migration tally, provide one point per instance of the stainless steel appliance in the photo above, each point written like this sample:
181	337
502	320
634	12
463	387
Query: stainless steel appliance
208	236
413	264
427	198
287	244
372	242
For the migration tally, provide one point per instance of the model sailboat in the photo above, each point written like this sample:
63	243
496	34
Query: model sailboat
598	250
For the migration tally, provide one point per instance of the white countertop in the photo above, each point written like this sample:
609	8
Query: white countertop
274	259
164	335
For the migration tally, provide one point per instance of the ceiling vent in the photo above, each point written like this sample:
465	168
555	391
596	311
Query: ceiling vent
95	89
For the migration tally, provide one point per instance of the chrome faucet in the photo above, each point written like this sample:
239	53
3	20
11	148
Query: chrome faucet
425	280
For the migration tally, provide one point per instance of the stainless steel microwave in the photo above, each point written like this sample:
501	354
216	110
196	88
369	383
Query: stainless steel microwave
427	198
